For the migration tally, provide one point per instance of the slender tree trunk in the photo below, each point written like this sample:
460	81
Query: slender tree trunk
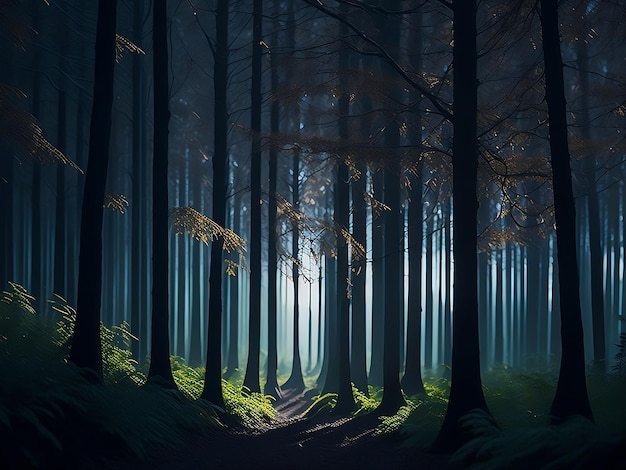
295	380
194	340
233	331
428	320
378	287
36	251
251	379
593	218
138	303
412	379
271	384
213	378
181	270
59	216
466	391
86	346
358	359
160	353
345	400
571	393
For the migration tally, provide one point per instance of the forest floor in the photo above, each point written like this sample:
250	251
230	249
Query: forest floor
321	442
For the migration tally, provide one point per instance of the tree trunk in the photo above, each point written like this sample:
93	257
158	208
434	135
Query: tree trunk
571	393
466	391
160	353
213	378
378	287
233	327
295	380
412	379
59	216
138	299
86	346
593	219
358	359
271	384
251	379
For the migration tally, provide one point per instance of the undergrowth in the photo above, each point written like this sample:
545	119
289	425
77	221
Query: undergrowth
52	416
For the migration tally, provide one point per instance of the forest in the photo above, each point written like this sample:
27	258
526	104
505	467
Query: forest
313	234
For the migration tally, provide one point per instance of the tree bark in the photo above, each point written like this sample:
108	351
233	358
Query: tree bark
295	381
160	353
251	379
271	385
571	393
213	378
86	346
466	391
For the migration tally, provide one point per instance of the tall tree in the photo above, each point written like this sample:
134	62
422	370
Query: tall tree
86	347
251	379
295	381
593	218
341	217
271	384
213	378
138	298
160	353
393	241
571	392
466	391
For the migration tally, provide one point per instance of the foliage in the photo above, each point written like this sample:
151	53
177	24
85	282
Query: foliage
577	443
24	130
364	403
253	410
202	228
115	201
47	405
22	333
417	422
118	364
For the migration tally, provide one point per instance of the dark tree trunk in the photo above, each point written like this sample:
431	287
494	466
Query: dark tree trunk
358	359
59	216
428	320
392	393
213	378
571	393
295	380
182	246
138	235
251	379
412	379
345	400
233	327
271	384
328	380
593	219
36	251
86	347
466	391
394	238
196	356
320	287
160	354
378	287
341	217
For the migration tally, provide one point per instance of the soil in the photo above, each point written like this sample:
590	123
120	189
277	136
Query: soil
323	441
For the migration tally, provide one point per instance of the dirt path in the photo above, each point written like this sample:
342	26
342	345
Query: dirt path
293	442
